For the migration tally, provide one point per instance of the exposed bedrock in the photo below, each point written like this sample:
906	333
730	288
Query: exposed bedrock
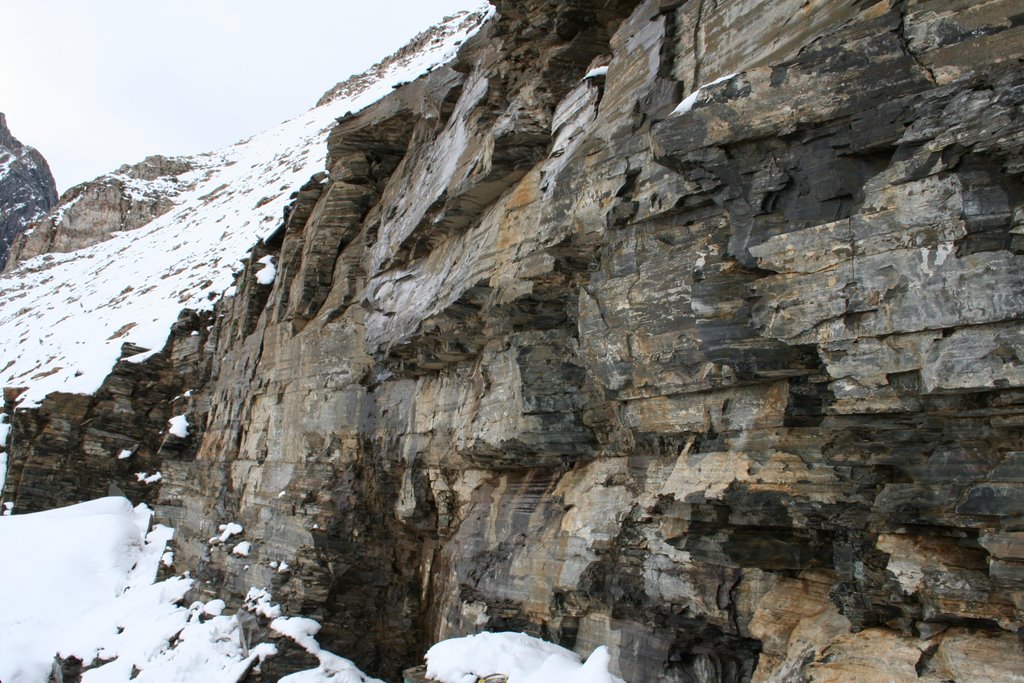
737	391
27	189
90	212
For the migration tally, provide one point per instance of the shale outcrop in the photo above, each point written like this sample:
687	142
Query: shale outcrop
27	188
714	356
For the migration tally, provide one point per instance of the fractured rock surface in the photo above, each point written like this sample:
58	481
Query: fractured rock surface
27	189
737	390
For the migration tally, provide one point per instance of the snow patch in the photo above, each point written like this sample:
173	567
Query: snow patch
227	531
266	275
691	99
149	478
522	658
242	549
332	667
258	600
178	426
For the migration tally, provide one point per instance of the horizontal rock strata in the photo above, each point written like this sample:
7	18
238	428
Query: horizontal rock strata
736	389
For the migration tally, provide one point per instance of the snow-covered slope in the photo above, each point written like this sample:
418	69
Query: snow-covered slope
64	317
125	199
79	582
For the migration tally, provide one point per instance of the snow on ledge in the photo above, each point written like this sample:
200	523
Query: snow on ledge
266	274
227	531
687	104
178	426
332	669
522	658
149	478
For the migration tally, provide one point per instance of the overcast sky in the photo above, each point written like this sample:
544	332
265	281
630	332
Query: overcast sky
93	84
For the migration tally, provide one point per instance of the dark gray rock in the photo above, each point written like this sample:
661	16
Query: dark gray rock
27	189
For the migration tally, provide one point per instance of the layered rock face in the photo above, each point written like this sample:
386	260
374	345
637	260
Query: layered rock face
734	387
126	199
27	189
80	447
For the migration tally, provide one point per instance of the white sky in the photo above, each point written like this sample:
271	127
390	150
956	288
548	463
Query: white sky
93	84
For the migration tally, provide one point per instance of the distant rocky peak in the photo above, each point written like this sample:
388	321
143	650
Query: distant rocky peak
7	141
27	189
124	199
155	167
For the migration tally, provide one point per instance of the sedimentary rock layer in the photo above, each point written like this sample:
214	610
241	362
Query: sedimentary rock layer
735	388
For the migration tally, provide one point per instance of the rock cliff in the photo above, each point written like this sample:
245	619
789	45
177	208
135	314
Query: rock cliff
27	189
713	355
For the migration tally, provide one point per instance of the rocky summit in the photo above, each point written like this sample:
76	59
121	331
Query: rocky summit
27	189
687	327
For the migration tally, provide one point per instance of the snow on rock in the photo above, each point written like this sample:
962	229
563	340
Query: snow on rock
242	549
258	600
149	478
691	99
214	608
178	426
522	658
64	317
597	72
266	274
125	454
332	669
5	430
78	581
227	531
